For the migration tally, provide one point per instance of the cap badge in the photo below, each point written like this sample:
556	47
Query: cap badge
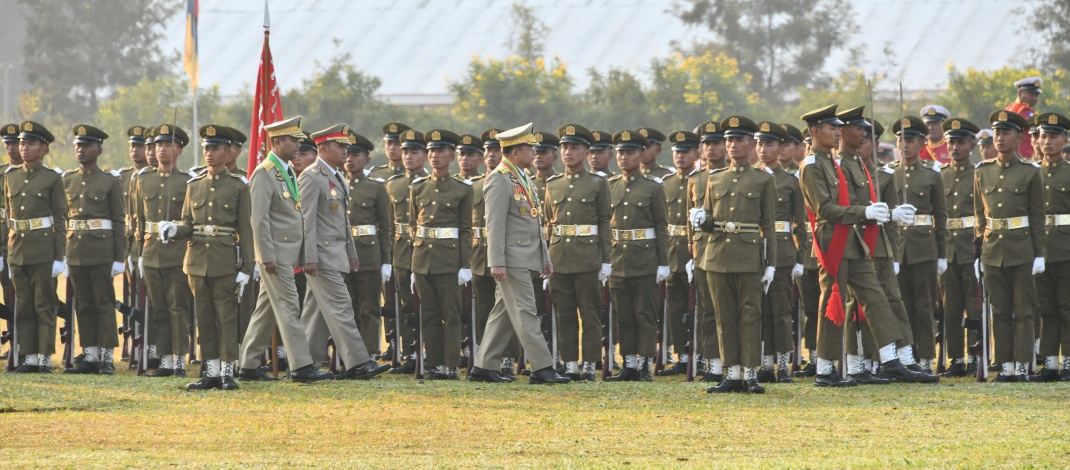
493	134
137	131
711	127
1053	119
570	130
164	130
597	135
765	127
29	127
734	122
352	139
210	131
538	137
466	140
393	128
410	135
625	136
81	130
643	132
906	123
931	111
11	130
956	124
436	135
1002	116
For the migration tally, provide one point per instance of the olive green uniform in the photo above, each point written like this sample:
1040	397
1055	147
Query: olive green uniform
790	234
397	187
677	287
1053	285
658	171
369	220
960	281
385	172
709	346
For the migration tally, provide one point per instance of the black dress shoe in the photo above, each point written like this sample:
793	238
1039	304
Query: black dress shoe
308	374
727	386
995	367
957	369
645	375
915	368
369	369
181	373
436	376
626	374
27	369
229	383
679	367
586	377
206	383
408	367
766	376
255	375
162	372
895	371
1064	375
154	363
809	370
547	375
1045	375
1005	379
710	377
106	368
833	380
783	377
480	374
752	386
508	374
866	378
84	367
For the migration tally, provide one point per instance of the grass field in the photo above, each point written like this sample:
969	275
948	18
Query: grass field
397	422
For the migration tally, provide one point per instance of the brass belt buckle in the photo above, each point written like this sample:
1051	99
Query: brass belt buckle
731	227
208	230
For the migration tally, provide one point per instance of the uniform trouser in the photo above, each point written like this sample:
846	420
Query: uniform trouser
1012	292
885	269
709	346
859	276
35	309
245	308
1053	295
440	318
810	298
301	282
678	293
960	298
327	298
635	303
169	294
216	304
406	331
578	293
94	303
514	318
776	314
738	302
364	292
276	305
484	287
917	283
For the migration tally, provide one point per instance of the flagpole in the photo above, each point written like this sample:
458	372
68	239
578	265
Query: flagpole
265	92
196	127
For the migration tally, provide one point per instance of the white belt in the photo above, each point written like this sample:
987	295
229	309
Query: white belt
575	230
437	232
959	223
635	234
677	230
89	224
479	232
361	230
31	224
1011	223
152	227
401	229
781	226
919	220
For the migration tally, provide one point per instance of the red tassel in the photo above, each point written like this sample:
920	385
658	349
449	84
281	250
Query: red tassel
860	316
834	310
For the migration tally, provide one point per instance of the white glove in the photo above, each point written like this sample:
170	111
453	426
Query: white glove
117	268
168	229
58	267
767	278
978	269
386	270
66	269
690	269
697	215
895	267
941	266
546	284
242	279
904	214
1038	266
877	211
256	272
663	274
603	274
463	276
797	270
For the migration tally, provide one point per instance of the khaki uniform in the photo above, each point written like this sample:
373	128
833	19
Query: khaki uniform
577	211
385	172
677	288
369	221
1053	285
94	201
483	285
397	187
790	233
959	282
658	171
536	279
709	346
640	244
441	225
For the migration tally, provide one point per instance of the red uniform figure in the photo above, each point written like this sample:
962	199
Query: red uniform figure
1028	95
934	116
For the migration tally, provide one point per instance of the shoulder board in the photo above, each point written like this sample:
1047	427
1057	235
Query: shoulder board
193	174
672	169
718	170
114	173
468	182
367	172
944	165
695	171
377	180
600	173
68	172
655	179
12	167
810	159
147	169
502	169
983	162
552	177
614	177
126	169
796	174
478	177
376	167
888	169
267	164
1035	164
395	176
241	177
419	180
57	170
198	168
767	170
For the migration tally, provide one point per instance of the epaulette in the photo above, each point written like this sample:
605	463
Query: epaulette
148	168
600	173
796	174
1035	164
503	169
888	169
376	167
377	180
419	180
672	169
983	162
553	177
267	164
810	159
197	177
126	169
468	182
614	177
944	165
767	170
718	170
241	177
654	179
395	176
696	170
478	177
367	172
65	173
114	173
12	167
935	168
193	174
57	170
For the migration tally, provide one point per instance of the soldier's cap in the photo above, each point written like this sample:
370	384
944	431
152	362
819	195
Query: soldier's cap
490	138
738	126
522	135
171	133
1031	84
358	143
1002	119
934	113
910	126
771	131
653	136
30	130
136	134
1052	123
239	138
86	134
150	136
441	139
601	140
875	128
307	143
1033	131
794	132
710	131
546	141
822	115
629	140
683	141
10	132
853	117
470	143
213	135
806	136
412	139
575	134
960	128
336	133
392	130
984	136
289	127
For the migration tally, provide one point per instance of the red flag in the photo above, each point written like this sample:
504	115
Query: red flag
267	104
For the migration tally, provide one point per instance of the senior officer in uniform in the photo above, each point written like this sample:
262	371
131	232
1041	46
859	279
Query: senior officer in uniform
278	235
677	288
740	206
35	246
414	155
577	211
329	253
712	149
215	225
639	256
515	247
96	248
440	208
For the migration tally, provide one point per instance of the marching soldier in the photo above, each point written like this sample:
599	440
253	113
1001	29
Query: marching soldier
96	233
790	218
601	153
935	148
414	155
681	268
649	166
1053	285
577	213
10	134
216	227
790	148
238	139
158	197
639	256
136	143
740	206
959	281
712	148
1029	90
392	146
36	244
469	156
923	243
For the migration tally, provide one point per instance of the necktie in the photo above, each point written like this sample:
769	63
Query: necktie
342	183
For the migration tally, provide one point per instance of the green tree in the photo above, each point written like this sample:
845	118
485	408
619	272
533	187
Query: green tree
513	91
1049	38
687	90
974	94
613	100
526	38
338	92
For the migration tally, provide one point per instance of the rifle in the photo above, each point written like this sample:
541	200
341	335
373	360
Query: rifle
392	312
334	364
663	329
12	337
123	306
471	340
66	332
550	310
797	321
691	348
419	344
980	348
607	338
941	334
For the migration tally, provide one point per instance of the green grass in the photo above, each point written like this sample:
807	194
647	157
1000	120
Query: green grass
126	421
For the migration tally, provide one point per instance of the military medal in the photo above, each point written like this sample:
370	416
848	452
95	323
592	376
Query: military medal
516	196
523	210
334	193
297	205
334	206
534	213
286	194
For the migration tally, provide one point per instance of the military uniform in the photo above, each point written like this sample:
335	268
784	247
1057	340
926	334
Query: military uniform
654	137
959	282
483	284
391	132
708	345
397	187
678	285
602	141
1053	285
369	220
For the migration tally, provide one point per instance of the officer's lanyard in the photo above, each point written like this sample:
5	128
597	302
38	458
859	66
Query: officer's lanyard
286	178
529	191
